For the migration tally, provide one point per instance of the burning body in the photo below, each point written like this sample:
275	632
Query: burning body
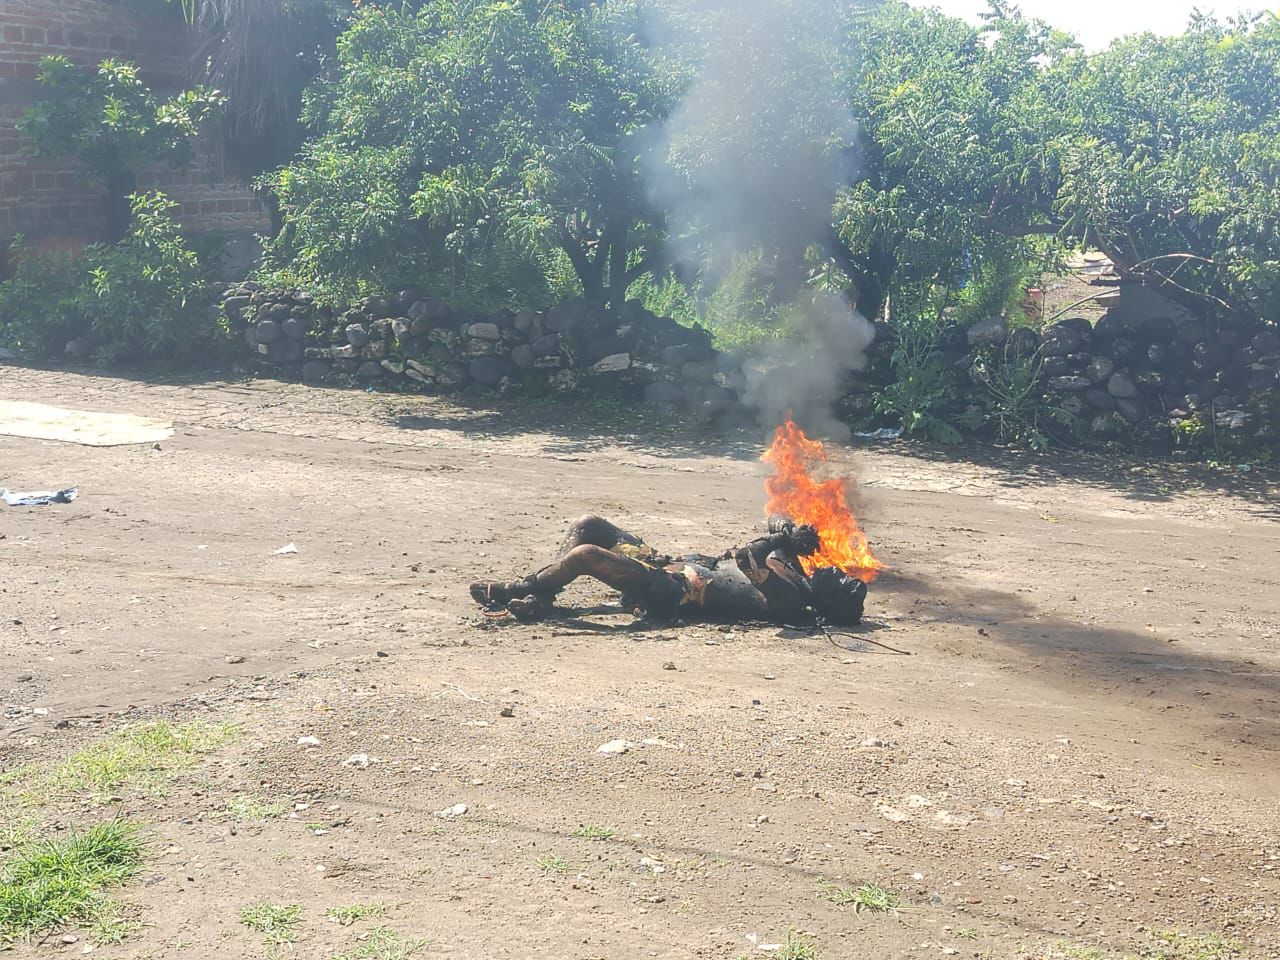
765	580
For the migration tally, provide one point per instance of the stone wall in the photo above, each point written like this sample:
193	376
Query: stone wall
1130	373
50	203
414	342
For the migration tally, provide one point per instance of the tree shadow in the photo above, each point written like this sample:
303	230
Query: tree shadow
1102	661
1147	480
583	425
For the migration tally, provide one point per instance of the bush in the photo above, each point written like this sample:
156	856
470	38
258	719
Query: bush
142	300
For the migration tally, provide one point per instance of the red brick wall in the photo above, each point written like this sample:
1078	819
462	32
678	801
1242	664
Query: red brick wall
50	202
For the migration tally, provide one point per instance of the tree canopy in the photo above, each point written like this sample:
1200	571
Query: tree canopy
480	133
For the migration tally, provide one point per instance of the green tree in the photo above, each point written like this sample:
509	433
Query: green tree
501	131
958	167
1173	166
113	125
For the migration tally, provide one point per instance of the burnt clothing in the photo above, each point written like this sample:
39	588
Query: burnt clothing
762	581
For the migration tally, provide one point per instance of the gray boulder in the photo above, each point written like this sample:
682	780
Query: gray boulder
986	332
357	334
268	331
1121	385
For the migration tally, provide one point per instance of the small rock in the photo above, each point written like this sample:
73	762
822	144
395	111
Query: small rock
452	813
614	746
988	331
360	761
612	363
1121	385
669	665
874	742
233	658
309	742
508	710
24	677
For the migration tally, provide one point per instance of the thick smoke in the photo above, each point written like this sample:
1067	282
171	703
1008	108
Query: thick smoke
750	163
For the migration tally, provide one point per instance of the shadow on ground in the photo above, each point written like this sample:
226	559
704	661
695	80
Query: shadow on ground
1101	661
1151	481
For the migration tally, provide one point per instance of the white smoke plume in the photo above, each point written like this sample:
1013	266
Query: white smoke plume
751	161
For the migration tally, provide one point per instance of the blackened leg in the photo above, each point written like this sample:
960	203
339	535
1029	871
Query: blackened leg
596	532
589	560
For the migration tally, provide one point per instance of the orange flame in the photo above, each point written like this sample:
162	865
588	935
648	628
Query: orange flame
794	493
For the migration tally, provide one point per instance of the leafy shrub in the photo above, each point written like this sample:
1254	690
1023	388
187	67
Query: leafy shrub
921	393
144	299
112	124
485	142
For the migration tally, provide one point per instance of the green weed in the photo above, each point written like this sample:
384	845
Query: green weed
550	864
867	896
61	880
248	808
382	943
346	916
277	924
590	832
797	947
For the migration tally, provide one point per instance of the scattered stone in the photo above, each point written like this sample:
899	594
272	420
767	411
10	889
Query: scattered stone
612	363
25	677
315	371
988	332
615	747
309	742
267	331
508	710
668	665
233	658
1121	385
361	761
484	331
370	370
874	742
452	813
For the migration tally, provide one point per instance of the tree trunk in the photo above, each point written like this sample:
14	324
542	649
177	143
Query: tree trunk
617	249
117	207
590	272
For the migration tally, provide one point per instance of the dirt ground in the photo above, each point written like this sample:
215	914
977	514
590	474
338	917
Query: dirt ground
1083	747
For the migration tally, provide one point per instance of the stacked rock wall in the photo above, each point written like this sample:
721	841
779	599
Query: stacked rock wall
1135	374
411	340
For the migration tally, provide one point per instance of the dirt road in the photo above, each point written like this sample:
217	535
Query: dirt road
1083	748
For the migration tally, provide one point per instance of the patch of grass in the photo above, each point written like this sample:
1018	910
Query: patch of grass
146	754
248	808
346	916
1168	945
56	881
115	923
867	896
383	943
797	947
1171	945
277	924
550	864
591	832
968	933
15	829
316	827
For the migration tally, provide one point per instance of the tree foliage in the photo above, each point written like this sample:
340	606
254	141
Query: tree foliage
1171	163
141	300
469	132
113	125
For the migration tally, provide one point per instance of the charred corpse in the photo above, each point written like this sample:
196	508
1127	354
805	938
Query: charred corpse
765	580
